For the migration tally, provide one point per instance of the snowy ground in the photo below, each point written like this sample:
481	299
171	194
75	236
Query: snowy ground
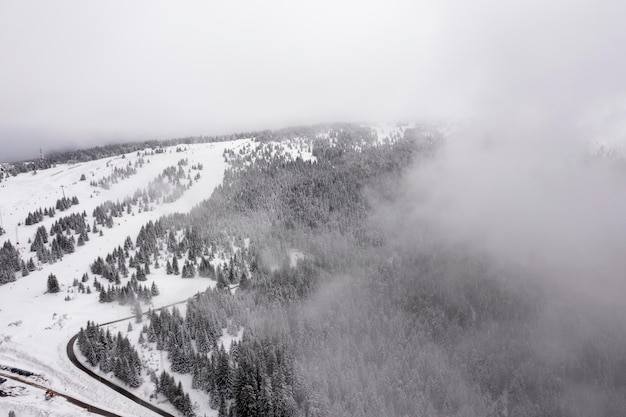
22	405
35	327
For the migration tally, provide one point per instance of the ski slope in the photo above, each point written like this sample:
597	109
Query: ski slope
34	326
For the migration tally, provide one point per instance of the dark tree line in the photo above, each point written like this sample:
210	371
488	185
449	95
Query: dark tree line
129	294
63	241
113	267
61	205
37	216
111	354
75	222
100	152
65	203
166	385
256	375
104	213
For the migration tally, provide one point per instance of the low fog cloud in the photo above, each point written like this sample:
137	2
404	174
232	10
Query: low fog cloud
83	73
89	73
541	91
528	204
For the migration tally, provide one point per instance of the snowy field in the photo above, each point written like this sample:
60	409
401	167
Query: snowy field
35	327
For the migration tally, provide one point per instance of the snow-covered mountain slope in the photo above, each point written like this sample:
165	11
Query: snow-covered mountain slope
34	326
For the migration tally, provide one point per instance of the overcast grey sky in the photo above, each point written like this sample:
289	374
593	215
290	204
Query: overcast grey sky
85	72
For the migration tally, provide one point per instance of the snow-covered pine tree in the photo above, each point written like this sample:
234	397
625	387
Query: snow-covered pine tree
53	284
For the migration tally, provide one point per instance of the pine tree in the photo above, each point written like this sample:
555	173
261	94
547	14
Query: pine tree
186	407
30	265
141	275
138	313
121	370
221	281
175	269
53	284
266	406
222	376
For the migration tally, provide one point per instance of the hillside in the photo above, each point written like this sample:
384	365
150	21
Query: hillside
311	283
36	326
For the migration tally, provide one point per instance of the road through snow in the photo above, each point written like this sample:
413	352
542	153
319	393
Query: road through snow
35	326
72	356
89	407
116	388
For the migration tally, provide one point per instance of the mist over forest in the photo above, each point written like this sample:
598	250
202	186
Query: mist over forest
443	275
452	246
430	271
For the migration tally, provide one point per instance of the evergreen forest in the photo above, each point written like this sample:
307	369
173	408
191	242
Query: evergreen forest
363	321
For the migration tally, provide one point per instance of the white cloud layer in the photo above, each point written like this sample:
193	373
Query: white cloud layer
76	72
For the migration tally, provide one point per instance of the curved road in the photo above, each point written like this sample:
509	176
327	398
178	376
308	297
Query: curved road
72	356
117	388
91	408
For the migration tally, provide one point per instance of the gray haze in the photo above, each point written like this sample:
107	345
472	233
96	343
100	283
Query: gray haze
514	179
551	211
81	73
88	72
539	87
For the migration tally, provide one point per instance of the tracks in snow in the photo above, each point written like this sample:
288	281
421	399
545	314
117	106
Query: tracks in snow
89	407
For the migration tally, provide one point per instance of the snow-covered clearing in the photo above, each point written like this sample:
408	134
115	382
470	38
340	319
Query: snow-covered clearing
35	327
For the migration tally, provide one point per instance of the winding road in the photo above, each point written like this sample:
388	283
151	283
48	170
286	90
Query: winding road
72	356
116	388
